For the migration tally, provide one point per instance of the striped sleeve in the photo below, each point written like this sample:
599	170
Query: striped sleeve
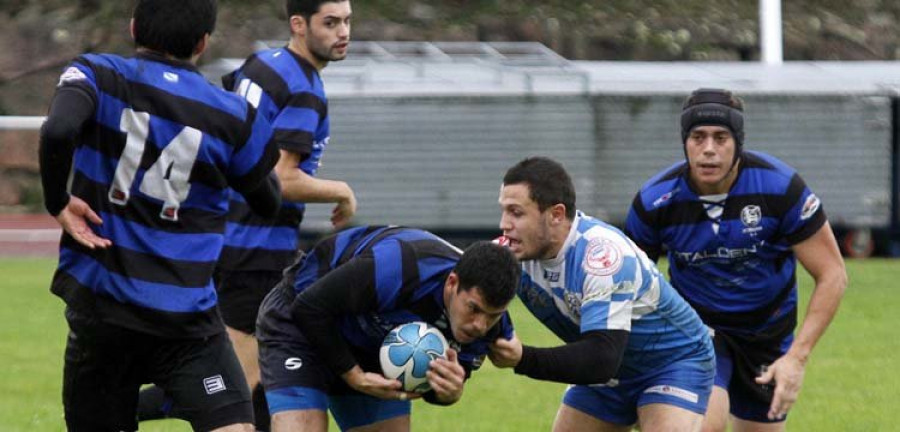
806	216
639	228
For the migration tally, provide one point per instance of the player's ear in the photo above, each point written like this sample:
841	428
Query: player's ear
558	213
451	285
131	28
201	45
298	25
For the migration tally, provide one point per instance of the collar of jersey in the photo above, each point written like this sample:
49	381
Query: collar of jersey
159	58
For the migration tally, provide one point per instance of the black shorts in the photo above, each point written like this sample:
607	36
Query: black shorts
241	293
286	359
740	358
106	365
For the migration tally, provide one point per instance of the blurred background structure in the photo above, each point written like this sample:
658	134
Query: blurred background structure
426	119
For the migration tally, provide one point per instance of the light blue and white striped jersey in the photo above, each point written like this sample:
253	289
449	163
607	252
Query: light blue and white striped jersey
600	280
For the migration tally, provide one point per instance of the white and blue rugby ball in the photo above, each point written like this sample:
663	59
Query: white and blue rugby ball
406	352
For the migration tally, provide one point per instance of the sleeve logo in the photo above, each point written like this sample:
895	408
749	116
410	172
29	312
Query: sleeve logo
810	207
71	74
602	257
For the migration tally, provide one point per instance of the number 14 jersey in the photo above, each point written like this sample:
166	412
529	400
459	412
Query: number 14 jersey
155	162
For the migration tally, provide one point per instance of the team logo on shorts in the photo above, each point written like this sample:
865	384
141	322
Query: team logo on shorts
293	363
602	257
751	216
214	384
810	206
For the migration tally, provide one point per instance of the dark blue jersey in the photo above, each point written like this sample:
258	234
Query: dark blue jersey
737	269
156	161
289	93
380	277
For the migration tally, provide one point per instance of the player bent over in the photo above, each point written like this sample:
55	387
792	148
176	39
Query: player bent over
321	328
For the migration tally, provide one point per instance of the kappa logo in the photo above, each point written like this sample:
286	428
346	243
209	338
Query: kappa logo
214	384
602	257
665	197
170	77
293	363
751	215
810	206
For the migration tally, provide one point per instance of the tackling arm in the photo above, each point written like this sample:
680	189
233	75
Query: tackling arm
593	359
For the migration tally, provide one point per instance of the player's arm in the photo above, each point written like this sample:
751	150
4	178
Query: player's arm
265	200
251	166
72	106
296	185
347	290
821	257
592	359
639	228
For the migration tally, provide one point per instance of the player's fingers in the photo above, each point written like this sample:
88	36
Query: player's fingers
766	376
93	217
452	356
442	383
81	239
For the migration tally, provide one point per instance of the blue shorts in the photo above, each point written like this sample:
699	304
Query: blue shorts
686	384
295	378
349	410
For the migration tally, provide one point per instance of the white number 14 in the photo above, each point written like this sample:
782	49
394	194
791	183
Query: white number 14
167	179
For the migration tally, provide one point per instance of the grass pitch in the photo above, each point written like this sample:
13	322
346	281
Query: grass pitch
851	381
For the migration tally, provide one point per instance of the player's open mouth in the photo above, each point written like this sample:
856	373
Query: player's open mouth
707	168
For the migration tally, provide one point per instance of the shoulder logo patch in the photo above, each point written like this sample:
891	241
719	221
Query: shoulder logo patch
602	257
810	207
70	75
751	215
665	197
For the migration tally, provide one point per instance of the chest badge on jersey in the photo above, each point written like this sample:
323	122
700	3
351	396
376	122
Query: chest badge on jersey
751	217
602	257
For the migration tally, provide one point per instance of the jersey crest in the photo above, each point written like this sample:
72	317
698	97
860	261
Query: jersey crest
602	257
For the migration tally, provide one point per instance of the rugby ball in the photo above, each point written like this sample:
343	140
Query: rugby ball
406	352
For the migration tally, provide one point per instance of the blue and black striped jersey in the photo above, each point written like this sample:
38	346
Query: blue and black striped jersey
156	161
399	277
289	93
737	269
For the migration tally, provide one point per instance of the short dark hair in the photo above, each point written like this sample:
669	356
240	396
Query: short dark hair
305	8
547	180
493	269
173	27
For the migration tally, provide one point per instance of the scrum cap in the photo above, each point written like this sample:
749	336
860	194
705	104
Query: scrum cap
713	107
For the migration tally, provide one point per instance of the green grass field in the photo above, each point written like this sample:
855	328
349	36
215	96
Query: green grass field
851	383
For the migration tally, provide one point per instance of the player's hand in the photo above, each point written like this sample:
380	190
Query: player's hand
344	210
447	377
374	384
506	353
74	220
787	372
